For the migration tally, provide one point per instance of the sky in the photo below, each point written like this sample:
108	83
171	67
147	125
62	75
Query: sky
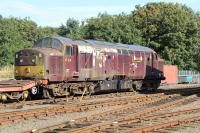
56	12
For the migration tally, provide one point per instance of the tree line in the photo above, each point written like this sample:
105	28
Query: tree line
171	29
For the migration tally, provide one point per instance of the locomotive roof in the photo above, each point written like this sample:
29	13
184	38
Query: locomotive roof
119	45
104	44
63	39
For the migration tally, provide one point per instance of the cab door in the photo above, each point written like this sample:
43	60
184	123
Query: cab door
155	64
149	65
70	58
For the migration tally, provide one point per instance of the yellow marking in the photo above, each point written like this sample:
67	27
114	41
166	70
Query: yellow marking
137	59
94	74
36	71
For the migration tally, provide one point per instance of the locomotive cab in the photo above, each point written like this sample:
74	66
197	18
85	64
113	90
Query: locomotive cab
43	61
29	64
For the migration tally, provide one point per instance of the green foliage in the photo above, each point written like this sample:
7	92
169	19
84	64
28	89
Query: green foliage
170	29
11	40
71	29
116	28
16	34
46	31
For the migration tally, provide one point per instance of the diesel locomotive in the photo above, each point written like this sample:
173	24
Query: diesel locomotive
62	66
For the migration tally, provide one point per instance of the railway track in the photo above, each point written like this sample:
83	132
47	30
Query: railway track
168	89
191	115
15	116
21	104
183	126
120	104
101	122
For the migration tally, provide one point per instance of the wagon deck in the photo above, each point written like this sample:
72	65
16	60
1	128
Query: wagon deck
16	85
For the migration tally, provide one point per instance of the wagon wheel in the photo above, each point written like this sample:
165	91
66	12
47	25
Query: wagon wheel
4	98
91	89
47	94
24	96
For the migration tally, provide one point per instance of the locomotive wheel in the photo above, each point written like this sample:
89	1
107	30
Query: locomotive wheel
155	86
3	98
91	90
137	85
46	94
151	86
24	96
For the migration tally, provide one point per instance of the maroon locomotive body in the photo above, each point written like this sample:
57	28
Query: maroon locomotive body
77	66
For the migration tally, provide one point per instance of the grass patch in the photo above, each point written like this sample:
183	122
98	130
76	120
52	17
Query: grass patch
7	72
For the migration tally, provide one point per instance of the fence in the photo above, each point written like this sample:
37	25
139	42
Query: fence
186	73
7	72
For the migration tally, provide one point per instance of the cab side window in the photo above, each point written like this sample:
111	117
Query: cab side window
119	51
124	51
155	56
69	51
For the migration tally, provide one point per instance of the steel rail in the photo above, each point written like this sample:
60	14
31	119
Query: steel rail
15	116
130	118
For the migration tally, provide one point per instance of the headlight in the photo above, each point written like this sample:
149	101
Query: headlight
40	55
27	70
16	71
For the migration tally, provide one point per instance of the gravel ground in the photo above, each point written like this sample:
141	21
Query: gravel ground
34	106
47	121
194	128
195	104
189	127
191	105
27	107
